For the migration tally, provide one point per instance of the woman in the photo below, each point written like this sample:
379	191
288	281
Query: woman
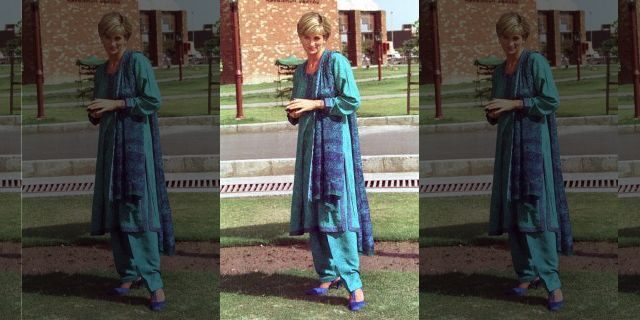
528	199
130	199
329	200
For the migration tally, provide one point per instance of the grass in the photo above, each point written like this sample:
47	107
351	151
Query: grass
629	295
569	108
190	295
265	220
369	108
390	295
464	220
10	217
589	295
10	298
50	221
629	223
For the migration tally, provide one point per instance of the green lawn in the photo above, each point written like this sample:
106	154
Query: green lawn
569	108
390	295
629	295
629	223
10	217
10	297
394	217
190	295
464	220
51	221
588	295
369	108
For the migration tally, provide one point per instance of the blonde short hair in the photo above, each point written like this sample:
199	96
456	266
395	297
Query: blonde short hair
114	23
513	23
314	23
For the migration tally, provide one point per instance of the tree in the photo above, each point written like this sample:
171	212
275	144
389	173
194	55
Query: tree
611	44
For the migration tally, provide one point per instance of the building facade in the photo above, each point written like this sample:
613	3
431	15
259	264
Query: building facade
69	31
466	32
360	33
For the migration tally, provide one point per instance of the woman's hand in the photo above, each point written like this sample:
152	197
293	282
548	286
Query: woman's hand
99	106
297	107
496	107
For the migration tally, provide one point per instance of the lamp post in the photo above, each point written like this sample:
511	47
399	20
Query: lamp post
180	53
378	40
578	48
35	6
634	41
237	58
437	73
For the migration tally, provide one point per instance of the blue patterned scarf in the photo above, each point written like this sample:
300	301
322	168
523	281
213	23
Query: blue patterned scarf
328	174
527	169
129	170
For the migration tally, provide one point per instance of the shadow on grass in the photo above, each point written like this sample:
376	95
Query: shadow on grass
629	283
70	231
478	285
467	234
629	232
78	285
270	233
275	285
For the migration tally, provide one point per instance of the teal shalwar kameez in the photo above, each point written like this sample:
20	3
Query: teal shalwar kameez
132	223
332	227
533	222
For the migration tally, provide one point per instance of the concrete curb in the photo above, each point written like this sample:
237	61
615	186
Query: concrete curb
485	126
10	120
86	166
10	163
87	126
629	128
286	126
484	166
285	166
629	168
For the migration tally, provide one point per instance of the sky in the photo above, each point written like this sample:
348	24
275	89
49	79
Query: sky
598	12
404	12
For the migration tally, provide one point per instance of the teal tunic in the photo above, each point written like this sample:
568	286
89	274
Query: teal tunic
107	213
507	214
307	214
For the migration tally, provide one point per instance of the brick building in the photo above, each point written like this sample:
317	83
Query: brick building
625	45
268	32
69	31
467	32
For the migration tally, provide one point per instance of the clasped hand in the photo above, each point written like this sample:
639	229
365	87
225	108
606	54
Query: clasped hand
297	107
496	107
98	107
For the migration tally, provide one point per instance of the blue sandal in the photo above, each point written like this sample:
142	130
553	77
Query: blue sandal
120	291
519	291
356	305
155	305
554	305
319	291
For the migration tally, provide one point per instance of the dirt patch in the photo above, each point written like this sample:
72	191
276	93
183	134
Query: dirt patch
588	256
629	260
396	256
10	256
190	256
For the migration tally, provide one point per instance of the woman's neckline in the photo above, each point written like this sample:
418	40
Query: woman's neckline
317	68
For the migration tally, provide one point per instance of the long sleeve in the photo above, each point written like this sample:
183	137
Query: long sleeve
493	94
348	98
294	121
547	99
148	101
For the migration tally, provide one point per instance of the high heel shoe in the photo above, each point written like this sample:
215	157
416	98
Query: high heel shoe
554	305
519	291
122	291
319	291
156	305
355	305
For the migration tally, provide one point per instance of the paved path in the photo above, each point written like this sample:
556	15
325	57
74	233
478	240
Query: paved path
629	146
9	140
176	140
574	140
379	140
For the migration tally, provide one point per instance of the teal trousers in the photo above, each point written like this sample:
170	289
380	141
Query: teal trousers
137	255
535	255
336	255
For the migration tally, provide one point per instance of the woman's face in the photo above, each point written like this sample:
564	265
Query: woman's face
114	44
312	43
511	44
